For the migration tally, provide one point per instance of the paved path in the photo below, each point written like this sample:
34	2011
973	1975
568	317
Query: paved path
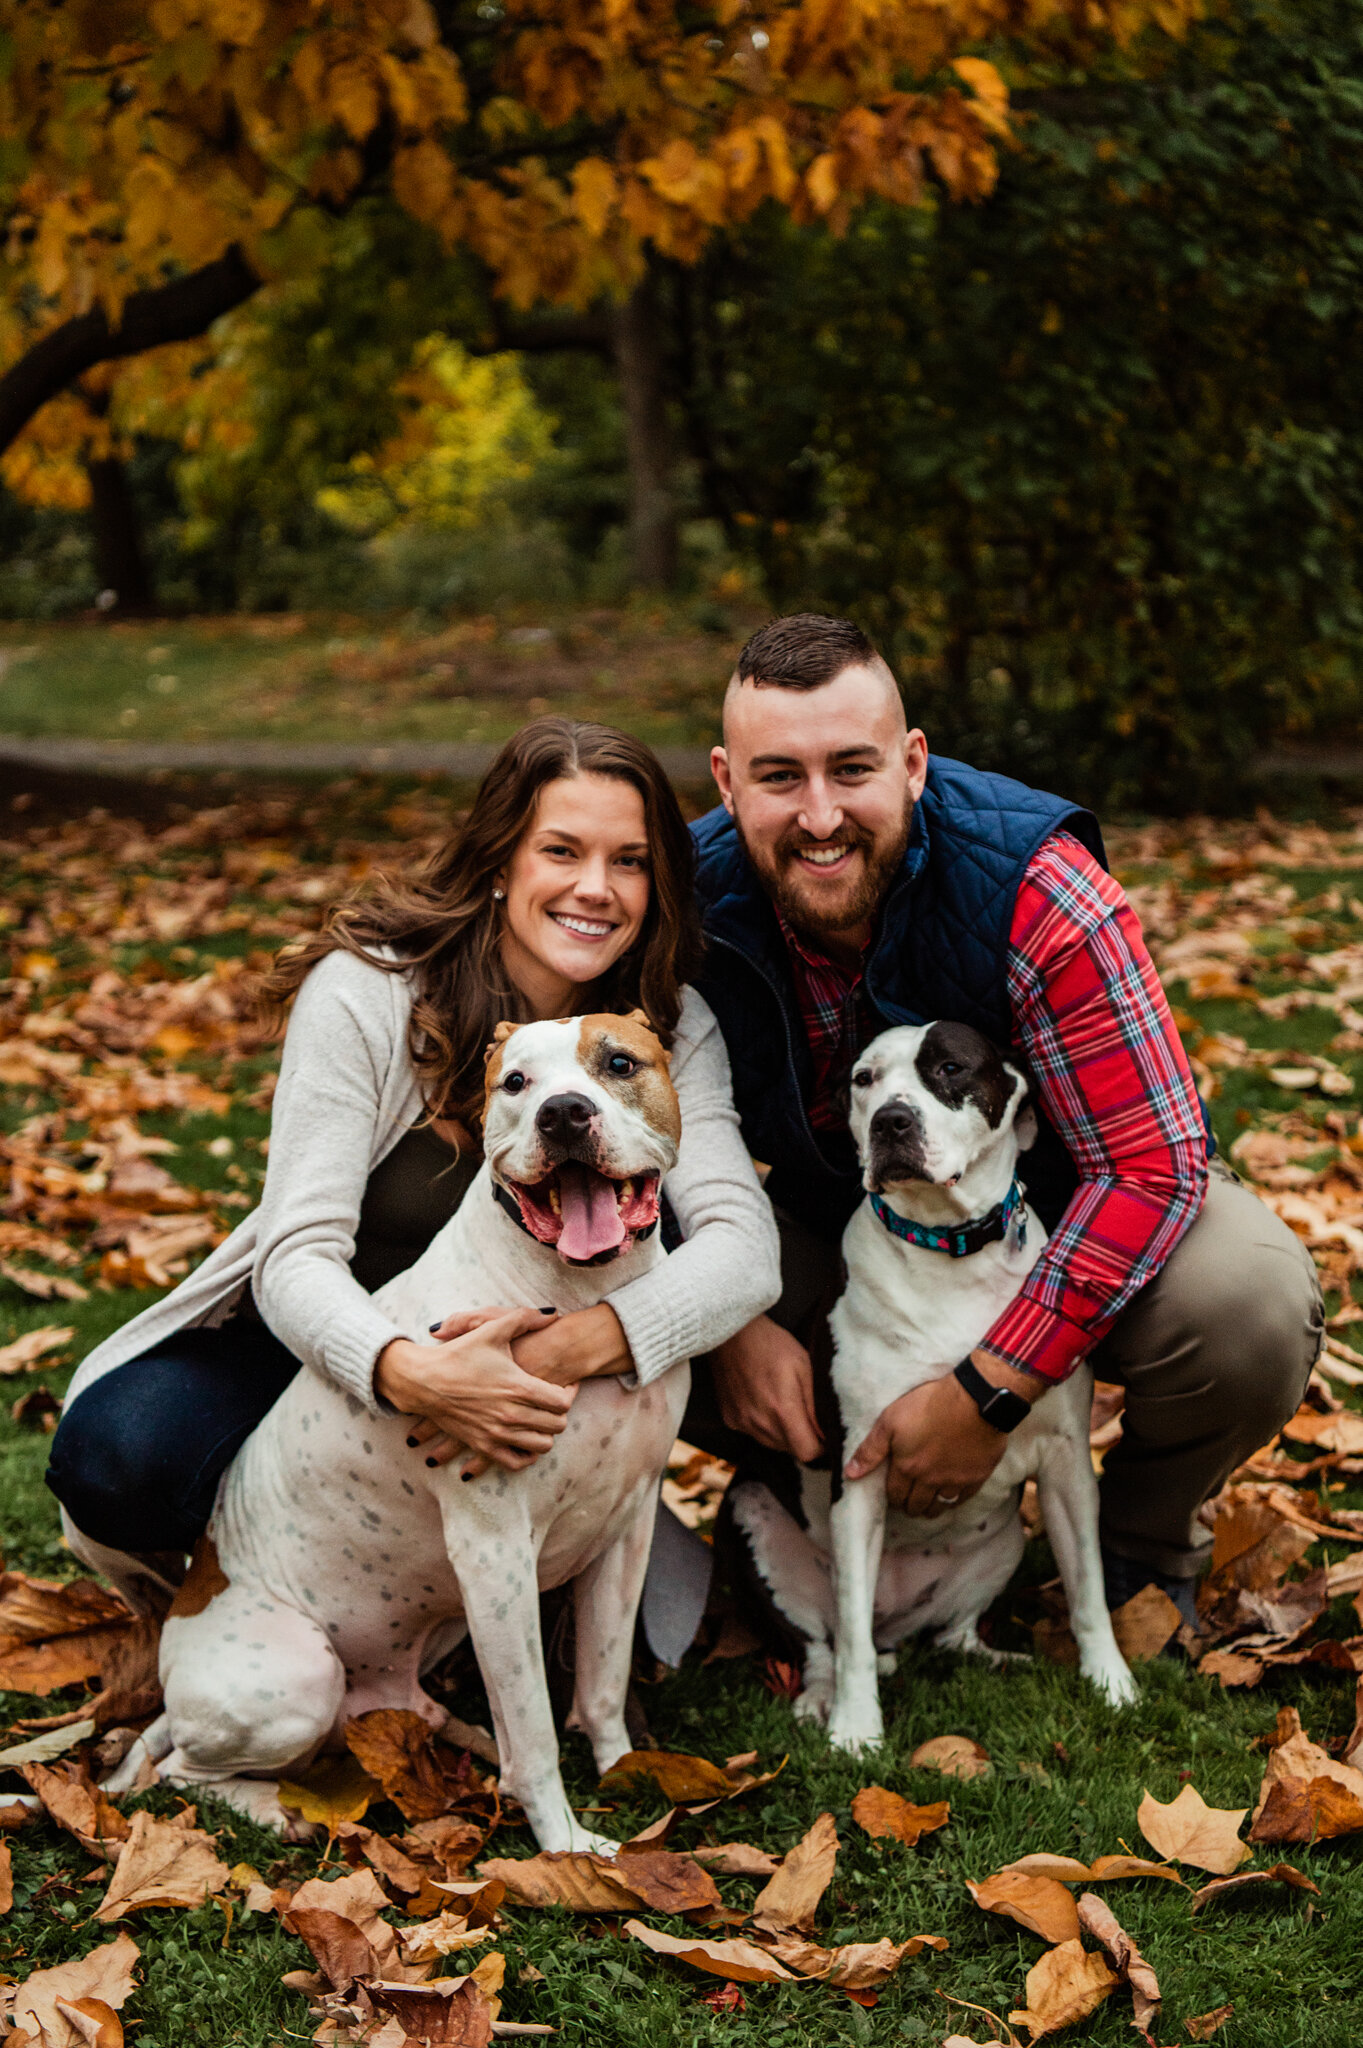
461	762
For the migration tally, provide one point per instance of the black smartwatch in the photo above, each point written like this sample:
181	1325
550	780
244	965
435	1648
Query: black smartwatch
1000	1407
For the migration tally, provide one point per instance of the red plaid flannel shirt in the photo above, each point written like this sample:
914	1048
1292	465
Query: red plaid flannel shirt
1091	1020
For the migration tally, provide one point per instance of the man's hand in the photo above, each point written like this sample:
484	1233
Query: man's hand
939	1449
765	1387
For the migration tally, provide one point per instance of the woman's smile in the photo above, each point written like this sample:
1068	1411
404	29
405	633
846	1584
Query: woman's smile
582	927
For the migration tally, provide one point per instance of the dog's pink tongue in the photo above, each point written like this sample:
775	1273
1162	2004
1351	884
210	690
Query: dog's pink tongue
591	1220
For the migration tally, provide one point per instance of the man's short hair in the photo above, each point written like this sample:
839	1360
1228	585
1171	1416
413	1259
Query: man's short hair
803	651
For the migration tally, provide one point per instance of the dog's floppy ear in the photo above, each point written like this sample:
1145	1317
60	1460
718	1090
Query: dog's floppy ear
498	1039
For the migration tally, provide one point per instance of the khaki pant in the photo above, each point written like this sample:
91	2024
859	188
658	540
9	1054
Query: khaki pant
1214	1355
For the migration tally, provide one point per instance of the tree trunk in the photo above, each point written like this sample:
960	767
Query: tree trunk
120	561
636	333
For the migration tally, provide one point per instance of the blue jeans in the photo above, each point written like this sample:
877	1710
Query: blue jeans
137	1457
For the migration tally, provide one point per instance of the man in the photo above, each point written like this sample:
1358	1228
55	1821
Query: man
849	883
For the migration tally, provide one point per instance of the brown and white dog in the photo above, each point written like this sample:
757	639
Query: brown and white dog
338	1566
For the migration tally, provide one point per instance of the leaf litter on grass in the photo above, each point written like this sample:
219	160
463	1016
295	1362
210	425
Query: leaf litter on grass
107	1029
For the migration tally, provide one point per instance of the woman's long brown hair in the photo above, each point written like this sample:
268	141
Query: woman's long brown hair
442	924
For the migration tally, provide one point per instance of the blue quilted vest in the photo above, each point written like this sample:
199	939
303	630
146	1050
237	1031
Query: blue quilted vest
940	950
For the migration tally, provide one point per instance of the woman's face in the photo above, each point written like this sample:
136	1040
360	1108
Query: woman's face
577	888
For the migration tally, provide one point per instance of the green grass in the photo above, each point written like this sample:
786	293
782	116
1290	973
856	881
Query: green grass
652	669
1069	1771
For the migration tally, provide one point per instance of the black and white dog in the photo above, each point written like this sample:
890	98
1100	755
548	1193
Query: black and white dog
939	1247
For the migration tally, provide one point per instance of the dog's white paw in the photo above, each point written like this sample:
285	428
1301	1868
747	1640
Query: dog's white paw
1115	1682
814	1704
855	1732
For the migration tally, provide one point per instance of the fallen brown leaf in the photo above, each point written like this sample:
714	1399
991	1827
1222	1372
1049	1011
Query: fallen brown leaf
78	1805
447	1844
332	1790
1103	1869
26	1351
13	1816
400	1750
1145	1623
741	1961
35	1610
955	1756
161	1864
105	1974
1305	1795
586	1883
1342	1432
357	1896
858	1965
1277	1873
42	1748
1063	1986
1040	1904
735	1859
1208	2023
792	1897
47	1667
1190	1831
883	1813
6	1877
338	1948
445	2014
1102	1923
96	2022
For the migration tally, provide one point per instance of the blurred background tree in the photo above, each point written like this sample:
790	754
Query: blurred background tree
1084	453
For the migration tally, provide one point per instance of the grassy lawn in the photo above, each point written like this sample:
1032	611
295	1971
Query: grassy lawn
128	945
658	671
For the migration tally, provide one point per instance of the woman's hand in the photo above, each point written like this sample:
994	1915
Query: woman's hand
561	1351
468	1391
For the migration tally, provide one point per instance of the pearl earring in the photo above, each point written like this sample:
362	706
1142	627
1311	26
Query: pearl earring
499	895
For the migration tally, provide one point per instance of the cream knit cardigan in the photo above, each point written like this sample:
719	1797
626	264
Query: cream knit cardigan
347	1092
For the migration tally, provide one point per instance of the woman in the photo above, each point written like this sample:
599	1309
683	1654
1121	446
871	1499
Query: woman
568	890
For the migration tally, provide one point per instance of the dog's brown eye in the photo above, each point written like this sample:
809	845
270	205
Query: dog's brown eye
514	1083
621	1063
862	1078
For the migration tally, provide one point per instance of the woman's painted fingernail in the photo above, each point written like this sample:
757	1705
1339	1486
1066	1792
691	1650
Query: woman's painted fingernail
411	1443
466	1475
433	1327
431	1462
550	1311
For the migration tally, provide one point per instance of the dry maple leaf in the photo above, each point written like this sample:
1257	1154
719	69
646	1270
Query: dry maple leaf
399	1749
161	1864
1063	1986
1190	1831
77	1804
858	1965
1102	1923
95	2022
1305	1795
1208	2023
105	1974
1102	1870
736	1859
882	1813
955	1756
575	1879
1145	1623
1040	1904
1277	1873
792	1896
742	1962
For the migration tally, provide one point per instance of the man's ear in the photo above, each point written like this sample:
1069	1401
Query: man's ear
1024	1121
719	768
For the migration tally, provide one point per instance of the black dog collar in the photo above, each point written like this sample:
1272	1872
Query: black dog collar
507	1201
960	1240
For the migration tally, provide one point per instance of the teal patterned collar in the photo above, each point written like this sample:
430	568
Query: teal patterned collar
958	1240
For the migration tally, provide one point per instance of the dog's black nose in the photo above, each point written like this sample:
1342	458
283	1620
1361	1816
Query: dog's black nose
564	1117
893	1120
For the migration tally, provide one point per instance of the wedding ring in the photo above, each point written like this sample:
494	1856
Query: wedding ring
949	1500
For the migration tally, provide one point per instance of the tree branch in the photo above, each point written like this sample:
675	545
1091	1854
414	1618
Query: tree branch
540	333
178	311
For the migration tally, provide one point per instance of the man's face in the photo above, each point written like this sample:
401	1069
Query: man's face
822	784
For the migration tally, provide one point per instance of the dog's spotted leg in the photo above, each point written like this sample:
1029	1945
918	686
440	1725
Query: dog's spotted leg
492	1550
1068	1494
857	1527
606	1597
791	1574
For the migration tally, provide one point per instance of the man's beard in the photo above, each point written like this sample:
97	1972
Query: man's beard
784	877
